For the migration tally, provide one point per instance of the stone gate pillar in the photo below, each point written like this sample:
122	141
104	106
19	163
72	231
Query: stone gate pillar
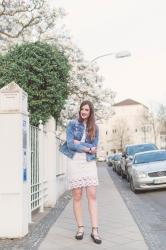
14	165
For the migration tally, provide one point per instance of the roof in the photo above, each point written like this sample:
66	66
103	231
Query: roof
127	102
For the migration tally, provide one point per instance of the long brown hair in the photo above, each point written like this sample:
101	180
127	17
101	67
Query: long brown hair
91	127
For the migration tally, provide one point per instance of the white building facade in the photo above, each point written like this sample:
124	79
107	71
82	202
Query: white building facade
130	124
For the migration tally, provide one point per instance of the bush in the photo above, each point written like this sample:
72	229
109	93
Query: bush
42	71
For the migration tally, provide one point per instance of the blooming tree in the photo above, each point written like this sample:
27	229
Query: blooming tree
33	20
25	20
85	83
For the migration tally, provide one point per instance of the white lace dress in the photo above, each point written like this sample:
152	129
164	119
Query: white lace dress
82	173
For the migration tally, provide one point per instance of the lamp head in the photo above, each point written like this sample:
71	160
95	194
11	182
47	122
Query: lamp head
122	54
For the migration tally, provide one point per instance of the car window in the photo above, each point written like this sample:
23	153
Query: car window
117	157
150	157
132	150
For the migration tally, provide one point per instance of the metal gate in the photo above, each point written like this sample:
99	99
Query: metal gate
35	180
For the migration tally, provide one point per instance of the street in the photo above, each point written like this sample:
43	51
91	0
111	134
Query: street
148	209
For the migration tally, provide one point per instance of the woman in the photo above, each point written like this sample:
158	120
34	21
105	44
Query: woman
80	147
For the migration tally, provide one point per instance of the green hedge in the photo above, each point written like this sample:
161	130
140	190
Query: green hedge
42	71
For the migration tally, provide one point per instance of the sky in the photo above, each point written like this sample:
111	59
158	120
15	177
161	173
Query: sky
108	26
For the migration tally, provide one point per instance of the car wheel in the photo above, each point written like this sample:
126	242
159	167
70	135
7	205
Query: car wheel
127	177
118	170
132	186
122	174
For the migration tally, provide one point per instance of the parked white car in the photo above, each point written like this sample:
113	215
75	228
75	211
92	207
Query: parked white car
148	170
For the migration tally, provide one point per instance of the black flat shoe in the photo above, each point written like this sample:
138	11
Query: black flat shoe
79	235
95	237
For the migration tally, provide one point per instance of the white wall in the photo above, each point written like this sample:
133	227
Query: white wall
14	178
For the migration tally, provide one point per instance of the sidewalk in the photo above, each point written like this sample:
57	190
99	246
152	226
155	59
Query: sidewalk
116	225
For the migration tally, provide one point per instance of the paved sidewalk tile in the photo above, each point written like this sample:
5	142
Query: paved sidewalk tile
116	225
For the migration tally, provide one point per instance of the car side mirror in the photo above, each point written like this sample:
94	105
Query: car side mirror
130	158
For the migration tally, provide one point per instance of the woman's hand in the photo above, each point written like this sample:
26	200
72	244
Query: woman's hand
93	150
76	142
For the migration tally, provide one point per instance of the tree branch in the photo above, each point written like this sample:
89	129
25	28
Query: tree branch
32	21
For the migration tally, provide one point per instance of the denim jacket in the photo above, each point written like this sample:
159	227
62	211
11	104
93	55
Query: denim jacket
75	130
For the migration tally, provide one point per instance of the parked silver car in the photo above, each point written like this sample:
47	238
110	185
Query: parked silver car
148	170
110	160
128	154
116	162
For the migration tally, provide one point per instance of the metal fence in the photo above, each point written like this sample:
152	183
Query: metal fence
39	158
38	184
35	183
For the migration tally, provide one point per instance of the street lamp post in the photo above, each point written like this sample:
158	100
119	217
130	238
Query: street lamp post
120	54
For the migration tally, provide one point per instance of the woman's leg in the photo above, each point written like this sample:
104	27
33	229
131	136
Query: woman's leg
77	208
92	205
